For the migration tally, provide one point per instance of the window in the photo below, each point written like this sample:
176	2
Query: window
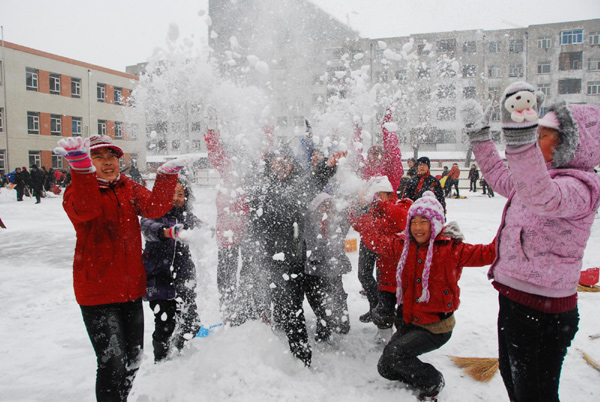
101	93
544	88
118	96
495	47
446	46
593	88
196	145
469	92
2	159
515	70
175	144
496	114
196	126
382	76
1	119
31	80
75	88
469	47
282	121
57	161
76	126
593	65
423	72
571	37
446	91
543	67
570	61
424	94
447	68
493	93
569	86
594	38
446	114
55	84
101	127
469	70
133	132
494	71
55	124
35	158
544	42
424	49
0	72
515	46
33	123
118	130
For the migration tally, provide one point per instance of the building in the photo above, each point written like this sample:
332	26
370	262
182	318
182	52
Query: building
45	97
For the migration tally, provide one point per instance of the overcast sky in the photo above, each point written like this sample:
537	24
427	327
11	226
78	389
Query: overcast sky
117	33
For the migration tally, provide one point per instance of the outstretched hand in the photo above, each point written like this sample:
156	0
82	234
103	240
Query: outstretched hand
76	151
175	165
476	121
336	157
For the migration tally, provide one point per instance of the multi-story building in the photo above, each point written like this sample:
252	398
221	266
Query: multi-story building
44	97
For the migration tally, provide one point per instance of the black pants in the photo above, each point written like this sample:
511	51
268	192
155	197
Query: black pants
117	335
227	268
37	192
487	187
448	187
366	263
287	292
328	300
399	361
532	346
473	185
20	192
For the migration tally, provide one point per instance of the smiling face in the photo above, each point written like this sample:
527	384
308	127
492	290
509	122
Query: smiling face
422	169
179	196
548	140
420	229
106	163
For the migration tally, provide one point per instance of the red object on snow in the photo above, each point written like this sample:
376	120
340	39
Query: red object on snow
56	190
589	277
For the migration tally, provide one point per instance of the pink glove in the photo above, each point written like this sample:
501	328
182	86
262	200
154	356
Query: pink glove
174	166
76	151
174	231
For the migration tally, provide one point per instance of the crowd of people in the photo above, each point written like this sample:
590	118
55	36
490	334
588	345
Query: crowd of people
35	182
282	217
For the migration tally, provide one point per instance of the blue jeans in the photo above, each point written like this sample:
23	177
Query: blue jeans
117	335
532	346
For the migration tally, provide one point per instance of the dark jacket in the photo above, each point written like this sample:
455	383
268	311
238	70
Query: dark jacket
37	178
162	253
473	174
419	184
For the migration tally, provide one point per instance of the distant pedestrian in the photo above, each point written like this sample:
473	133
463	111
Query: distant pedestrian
37	182
473	177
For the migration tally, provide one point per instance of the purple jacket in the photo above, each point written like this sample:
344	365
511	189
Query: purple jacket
550	209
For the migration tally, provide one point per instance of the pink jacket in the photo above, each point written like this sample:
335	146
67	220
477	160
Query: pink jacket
550	210
392	166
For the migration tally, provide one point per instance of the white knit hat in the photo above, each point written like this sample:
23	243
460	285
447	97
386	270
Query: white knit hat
428	207
379	184
550	120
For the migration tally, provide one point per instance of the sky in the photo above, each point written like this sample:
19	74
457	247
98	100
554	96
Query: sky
118	33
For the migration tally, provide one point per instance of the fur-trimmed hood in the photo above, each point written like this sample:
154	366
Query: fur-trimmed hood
579	134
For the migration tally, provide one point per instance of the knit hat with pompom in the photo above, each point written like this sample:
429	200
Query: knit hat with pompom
428	207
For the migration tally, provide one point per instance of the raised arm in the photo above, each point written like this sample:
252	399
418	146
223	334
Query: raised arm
393	155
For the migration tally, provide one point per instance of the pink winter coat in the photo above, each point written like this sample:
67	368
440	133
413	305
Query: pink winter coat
550	210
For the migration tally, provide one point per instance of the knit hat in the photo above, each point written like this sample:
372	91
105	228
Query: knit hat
560	118
379	184
428	207
550	120
104	141
425	160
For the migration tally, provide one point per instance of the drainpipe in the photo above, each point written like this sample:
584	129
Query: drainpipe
7	170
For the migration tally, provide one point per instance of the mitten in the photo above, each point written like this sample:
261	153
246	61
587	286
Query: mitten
76	151
174	166
519	108
174	232
383	314
452	230
476	121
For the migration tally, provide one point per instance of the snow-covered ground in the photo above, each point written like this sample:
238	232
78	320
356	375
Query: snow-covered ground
45	353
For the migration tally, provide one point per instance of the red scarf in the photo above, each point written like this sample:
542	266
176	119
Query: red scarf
421	182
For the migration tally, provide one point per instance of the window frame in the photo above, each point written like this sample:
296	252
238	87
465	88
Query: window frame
594	38
37	158
564	82
470	47
118	130
1	119
449	111
595	85
33	123
101	127
516	46
545	42
597	63
56	124
495	46
32	75
75	87
544	88
101	92
515	70
544	67
57	161
54	84
494	71
118	96
569	35
76	122
469	70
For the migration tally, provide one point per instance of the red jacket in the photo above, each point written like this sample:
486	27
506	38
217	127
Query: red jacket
389	219
107	266
449	257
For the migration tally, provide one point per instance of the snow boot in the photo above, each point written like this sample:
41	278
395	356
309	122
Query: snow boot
366	317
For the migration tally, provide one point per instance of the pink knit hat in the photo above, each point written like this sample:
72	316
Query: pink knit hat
428	207
550	120
104	141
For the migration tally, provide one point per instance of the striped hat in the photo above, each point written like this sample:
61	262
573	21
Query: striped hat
104	141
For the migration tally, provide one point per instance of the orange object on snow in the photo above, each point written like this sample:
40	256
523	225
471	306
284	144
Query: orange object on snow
351	245
589	277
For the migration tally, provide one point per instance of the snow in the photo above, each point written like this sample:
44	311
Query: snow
45	353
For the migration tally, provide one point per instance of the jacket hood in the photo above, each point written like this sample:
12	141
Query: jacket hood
579	134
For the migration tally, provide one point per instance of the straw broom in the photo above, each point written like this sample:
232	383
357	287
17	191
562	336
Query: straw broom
479	368
581	288
590	361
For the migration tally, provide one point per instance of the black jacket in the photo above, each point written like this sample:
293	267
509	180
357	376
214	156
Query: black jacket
429	183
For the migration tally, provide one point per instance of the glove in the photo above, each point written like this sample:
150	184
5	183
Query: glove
452	230
520	114
383	314
76	151
174	166
476	121
174	232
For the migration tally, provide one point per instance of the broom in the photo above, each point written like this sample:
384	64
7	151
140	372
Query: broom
590	361
581	288
479	368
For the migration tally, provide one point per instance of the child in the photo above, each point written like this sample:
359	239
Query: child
171	274
553	194
108	272
430	265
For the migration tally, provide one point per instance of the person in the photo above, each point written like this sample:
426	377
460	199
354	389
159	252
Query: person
37	182
3	179
423	182
50	180
552	196
445	171
381	161
108	272
279	210
486	188
326	262
473	177
171	274
19	183
135	174
452	180
412	167
430	261
58	177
